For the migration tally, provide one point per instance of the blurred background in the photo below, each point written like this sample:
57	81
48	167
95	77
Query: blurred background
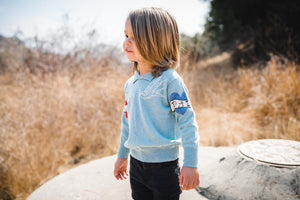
62	73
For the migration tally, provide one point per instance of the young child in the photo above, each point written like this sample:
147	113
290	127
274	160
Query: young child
157	115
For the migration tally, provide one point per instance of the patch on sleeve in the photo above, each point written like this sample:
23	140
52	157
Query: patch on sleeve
179	104
125	109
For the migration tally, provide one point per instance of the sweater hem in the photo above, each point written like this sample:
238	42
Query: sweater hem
155	155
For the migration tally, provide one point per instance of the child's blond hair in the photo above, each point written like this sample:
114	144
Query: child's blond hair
157	38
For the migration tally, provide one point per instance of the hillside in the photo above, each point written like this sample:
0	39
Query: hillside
61	110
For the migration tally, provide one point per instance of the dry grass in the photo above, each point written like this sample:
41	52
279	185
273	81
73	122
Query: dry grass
50	121
234	106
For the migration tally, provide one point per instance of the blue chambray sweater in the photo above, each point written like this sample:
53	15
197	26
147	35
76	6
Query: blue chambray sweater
157	118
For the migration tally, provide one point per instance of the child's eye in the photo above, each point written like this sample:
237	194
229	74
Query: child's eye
126	36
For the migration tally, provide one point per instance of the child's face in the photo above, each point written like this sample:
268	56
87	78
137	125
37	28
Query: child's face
129	45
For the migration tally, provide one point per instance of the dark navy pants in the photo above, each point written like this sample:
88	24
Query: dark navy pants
154	181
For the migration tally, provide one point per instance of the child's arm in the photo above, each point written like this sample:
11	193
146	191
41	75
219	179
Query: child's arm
120	170
123	152
185	119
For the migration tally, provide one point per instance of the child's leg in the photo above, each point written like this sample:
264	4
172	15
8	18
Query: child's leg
165	181
158	181
137	181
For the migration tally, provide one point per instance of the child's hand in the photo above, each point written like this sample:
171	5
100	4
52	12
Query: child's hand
189	178
120	170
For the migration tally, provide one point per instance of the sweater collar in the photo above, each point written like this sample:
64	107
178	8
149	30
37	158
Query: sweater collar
148	76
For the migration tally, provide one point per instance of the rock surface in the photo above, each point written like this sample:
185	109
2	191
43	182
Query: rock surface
224	174
232	176
92	181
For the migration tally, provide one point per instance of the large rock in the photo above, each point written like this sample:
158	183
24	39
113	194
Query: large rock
224	174
230	176
92	181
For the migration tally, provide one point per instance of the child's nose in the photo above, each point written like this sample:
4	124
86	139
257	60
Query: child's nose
127	41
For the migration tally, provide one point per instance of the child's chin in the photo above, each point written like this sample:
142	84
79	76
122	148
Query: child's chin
130	59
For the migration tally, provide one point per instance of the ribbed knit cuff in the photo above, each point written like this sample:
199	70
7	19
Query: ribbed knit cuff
190	156
123	152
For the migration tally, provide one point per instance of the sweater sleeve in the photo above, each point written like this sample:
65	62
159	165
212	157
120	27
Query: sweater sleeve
185	120
123	152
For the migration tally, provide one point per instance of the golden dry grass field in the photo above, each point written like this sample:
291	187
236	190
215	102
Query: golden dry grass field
52	120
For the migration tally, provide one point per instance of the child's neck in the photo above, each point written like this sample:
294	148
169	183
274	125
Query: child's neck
144	68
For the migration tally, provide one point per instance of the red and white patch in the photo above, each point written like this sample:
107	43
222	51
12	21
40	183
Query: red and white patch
125	109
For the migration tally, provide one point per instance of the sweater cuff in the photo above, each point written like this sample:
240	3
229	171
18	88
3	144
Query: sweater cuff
190	156
123	152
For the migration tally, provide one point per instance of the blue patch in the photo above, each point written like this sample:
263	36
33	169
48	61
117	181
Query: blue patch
179	104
